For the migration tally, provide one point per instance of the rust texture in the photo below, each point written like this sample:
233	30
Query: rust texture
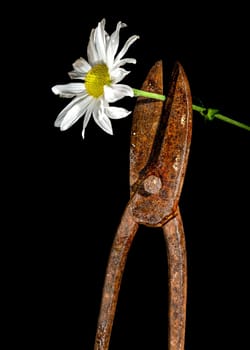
177	282
160	143
116	264
168	157
146	116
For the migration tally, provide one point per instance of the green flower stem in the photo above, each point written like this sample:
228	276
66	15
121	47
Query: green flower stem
149	94
210	114
207	113
232	121
199	109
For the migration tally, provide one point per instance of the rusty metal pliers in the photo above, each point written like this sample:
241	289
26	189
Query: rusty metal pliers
160	143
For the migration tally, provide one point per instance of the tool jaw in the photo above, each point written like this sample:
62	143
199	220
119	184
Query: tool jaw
146	116
160	144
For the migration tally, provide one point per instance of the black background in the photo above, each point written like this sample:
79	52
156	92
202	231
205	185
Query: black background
66	195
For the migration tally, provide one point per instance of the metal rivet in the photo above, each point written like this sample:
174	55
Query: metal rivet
152	184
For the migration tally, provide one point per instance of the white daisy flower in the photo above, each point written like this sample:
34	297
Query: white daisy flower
101	75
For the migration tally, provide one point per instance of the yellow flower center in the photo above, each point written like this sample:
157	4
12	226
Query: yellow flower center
96	78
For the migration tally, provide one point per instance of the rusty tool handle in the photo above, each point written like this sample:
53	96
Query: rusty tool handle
116	264
177	281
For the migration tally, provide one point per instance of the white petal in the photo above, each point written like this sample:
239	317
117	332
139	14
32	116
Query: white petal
123	61
91	49
125	48
115	92
87	116
114	43
81	65
81	68
102	119
76	75
116	112
118	74
100	41
62	114
69	90
72	115
104	123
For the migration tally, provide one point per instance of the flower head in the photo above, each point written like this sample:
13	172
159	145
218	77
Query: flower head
101	75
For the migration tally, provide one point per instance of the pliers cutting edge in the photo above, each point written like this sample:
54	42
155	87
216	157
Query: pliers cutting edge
160	144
